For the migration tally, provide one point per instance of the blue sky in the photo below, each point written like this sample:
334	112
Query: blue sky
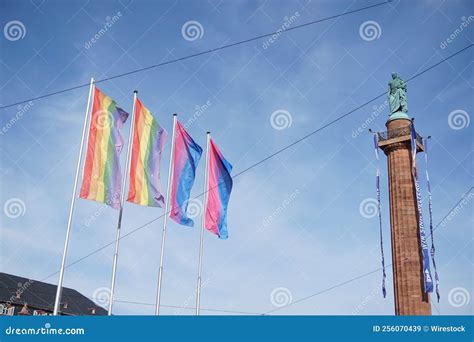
294	222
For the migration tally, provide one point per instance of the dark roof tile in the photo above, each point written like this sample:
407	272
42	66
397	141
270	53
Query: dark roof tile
40	295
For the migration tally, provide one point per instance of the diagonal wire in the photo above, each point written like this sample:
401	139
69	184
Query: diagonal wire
304	298
268	157
189	307
369	273
198	54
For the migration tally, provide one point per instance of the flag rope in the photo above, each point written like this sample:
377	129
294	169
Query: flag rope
261	161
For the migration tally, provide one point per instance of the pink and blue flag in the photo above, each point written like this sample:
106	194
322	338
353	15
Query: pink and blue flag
219	189
187	154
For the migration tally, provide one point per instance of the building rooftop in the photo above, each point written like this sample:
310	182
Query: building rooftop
40	296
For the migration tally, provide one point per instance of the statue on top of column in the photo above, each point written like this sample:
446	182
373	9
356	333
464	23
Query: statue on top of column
397	95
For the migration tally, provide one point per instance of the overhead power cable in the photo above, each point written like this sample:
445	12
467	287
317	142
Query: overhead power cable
226	46
267	158
303	298
368	273
189	307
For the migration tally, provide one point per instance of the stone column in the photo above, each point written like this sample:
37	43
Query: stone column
407	259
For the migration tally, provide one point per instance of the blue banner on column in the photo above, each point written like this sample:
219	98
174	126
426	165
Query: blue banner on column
377	185
430	208
428	280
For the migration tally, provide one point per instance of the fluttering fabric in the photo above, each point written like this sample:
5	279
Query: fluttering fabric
430	208
149	139
187	154
379	212
102	175
428	280
218	192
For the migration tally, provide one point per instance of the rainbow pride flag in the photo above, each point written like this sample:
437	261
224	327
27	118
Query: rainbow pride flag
102	177
148	141
187	154
219	189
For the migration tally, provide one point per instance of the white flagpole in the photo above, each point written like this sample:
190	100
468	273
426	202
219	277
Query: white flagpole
203	218
73	202
122	200
165	217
